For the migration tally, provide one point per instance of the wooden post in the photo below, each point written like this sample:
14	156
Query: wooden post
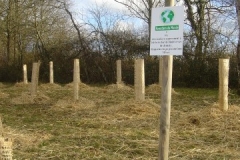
5	148
165	107
5	145
34	81
25	80
38	70
1	128
139	81
160	71
223	83
165	102
51	77
77	69
119	72
76	78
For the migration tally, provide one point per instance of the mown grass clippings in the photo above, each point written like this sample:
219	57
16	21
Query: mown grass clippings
107	123
26	98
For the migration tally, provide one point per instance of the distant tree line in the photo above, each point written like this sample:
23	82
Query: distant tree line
33	30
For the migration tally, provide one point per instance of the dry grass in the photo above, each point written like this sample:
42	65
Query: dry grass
68	104
207	134
156	88
81	85
26	98
107	123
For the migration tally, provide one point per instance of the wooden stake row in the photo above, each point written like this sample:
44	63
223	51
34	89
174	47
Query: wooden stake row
139	80
5	145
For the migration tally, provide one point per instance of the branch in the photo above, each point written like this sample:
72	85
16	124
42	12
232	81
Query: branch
80	39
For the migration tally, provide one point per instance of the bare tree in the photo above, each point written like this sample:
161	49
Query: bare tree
207	19
141	9
237	4
29	26
47	21
102	22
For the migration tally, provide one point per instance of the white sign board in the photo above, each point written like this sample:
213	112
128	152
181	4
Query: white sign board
167	31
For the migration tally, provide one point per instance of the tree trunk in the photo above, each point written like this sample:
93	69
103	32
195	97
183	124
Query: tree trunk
238	46
197	20
9	35
238	64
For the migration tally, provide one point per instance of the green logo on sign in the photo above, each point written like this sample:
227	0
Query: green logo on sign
167	16
165	28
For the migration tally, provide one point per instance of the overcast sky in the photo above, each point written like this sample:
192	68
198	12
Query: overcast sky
79	5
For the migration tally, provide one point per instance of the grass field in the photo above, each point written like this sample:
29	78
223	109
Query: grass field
107	123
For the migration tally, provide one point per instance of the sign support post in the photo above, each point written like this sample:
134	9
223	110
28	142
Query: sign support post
165	107
166	97
166	40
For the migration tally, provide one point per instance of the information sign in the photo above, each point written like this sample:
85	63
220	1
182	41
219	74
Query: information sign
167	31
